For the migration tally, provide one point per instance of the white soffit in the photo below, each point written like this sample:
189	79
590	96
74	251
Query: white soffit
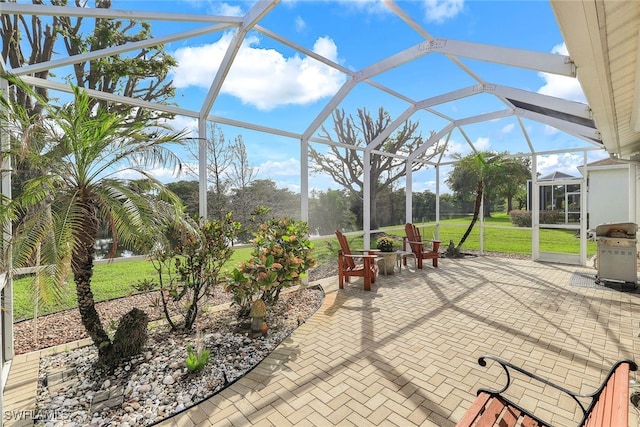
602	38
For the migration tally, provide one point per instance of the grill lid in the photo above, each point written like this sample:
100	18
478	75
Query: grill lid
617	230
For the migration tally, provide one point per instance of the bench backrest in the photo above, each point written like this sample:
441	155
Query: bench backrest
610	407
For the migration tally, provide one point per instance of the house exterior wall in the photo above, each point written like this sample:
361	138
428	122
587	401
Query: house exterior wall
611	194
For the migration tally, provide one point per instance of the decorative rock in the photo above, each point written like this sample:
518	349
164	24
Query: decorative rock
156	384
145	388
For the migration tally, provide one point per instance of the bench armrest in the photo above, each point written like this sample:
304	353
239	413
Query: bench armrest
508	367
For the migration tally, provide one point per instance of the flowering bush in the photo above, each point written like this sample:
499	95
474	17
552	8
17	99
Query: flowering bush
385	244
281	256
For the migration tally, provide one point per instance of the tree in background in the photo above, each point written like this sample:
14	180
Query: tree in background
245	201
221	155
391	206
513	180
189	194
475	168
141	74
486	176
346	167
424	206
329	211
78	150
501	177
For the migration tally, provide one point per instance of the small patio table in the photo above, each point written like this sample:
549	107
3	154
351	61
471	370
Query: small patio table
402	256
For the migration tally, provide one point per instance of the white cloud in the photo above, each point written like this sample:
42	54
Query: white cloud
163	175
462	148
482	144
420	186
188	124
560	86
440	10
274	168
374	7
215	7
566	163
507	129
455	147
300	24
225	9
261	77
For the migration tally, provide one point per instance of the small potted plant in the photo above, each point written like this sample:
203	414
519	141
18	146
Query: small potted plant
385	244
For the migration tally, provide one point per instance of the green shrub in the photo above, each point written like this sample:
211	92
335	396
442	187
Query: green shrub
523	218
281	256
520	218
189	264
551	217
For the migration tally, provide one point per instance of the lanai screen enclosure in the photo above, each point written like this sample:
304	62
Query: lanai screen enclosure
397	58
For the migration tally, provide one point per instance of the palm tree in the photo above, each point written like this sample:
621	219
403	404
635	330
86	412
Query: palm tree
80	152
479	165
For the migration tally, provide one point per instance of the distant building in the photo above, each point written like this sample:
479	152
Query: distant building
558	193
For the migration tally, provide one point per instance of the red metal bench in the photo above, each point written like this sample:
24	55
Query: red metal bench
608	406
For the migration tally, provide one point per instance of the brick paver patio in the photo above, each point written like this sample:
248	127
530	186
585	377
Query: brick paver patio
406	352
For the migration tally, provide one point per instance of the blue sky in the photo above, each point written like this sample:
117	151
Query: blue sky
273	85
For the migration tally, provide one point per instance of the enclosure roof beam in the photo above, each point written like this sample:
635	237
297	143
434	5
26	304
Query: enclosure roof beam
134	102
252	17
434	138
449	96
520	58
585	133
390	128
116	50
573	108
33	9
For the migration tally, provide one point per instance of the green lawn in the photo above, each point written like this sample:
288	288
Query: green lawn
110	280
501	236
114	280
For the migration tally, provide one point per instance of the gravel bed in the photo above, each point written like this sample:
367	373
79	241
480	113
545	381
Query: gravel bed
156	384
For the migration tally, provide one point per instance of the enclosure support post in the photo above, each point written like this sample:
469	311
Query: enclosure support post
408	194
437	202
304	179
366	200
202	167
535	210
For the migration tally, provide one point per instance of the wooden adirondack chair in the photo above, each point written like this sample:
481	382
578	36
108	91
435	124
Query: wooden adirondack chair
359	265
418	247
